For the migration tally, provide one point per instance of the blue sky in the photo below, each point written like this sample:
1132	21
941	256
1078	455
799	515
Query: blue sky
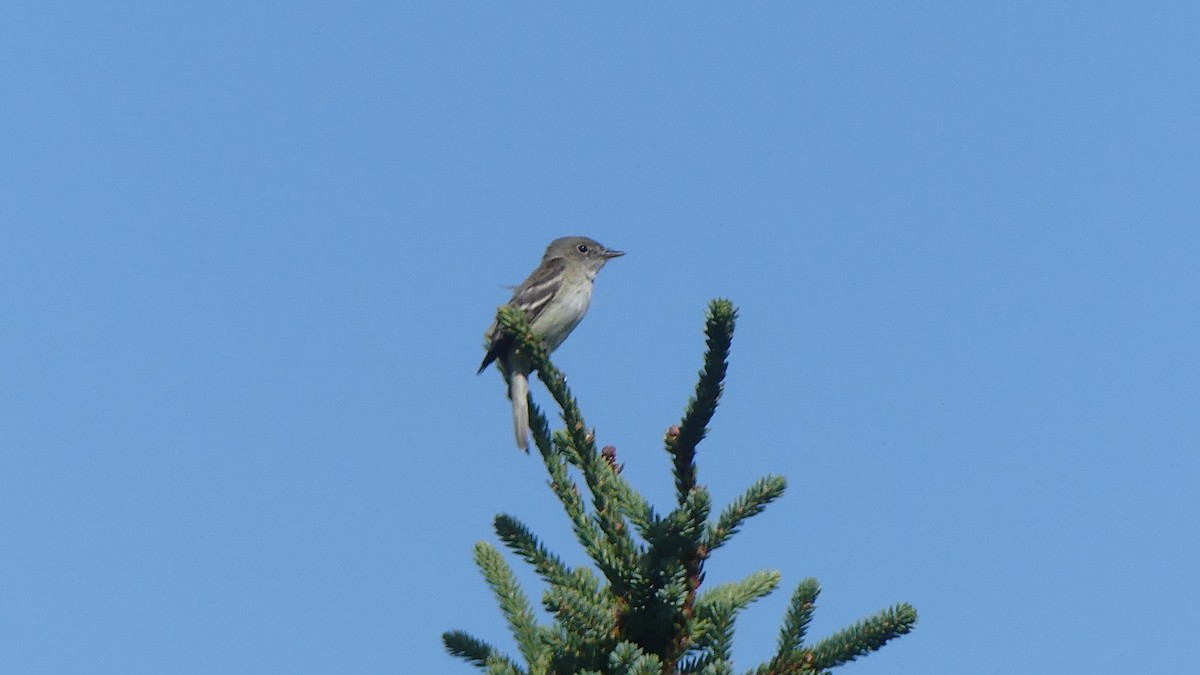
250	250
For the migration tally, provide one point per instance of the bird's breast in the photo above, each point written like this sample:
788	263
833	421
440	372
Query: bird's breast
563	314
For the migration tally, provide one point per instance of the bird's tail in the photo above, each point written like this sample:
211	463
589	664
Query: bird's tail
518	391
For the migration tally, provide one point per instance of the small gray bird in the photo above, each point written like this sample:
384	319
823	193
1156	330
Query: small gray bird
554	297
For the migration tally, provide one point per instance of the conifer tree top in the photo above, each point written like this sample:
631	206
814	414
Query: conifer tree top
641	609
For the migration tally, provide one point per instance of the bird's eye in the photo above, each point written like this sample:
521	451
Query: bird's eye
582	248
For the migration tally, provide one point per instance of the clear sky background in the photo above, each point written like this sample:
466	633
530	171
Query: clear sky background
249	250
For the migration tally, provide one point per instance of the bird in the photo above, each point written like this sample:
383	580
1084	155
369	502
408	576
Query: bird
554	297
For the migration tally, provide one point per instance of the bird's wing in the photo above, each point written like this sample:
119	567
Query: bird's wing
535	293
533	296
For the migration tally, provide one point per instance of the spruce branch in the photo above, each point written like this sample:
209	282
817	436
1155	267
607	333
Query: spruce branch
675	556
749	504
503	666
681	441
716	610
608	506
574	653
540	430
714	632
524	543
799	615
586	529
705	665
717	668
513	603
583	581
800	663
601	479
864	637
582	614
633	504
469	648
739	594
682	531
629	659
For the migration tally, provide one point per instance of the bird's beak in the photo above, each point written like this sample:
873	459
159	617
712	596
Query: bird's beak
613	254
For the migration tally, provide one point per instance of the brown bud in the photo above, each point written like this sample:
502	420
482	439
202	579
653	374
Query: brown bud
609	453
